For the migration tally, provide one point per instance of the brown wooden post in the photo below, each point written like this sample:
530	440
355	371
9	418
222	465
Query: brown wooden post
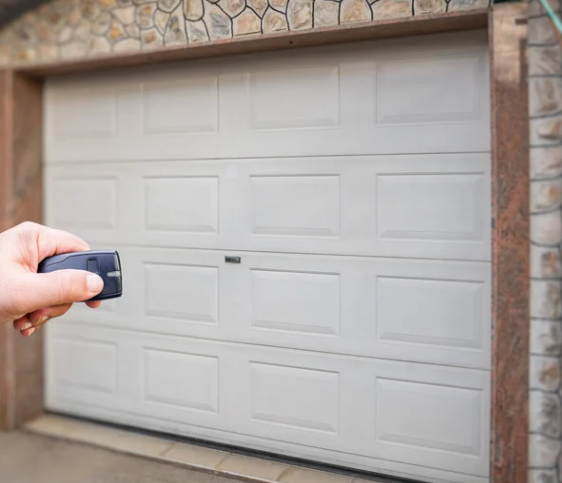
21	360
510	241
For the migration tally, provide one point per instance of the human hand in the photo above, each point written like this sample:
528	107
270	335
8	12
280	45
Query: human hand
29	299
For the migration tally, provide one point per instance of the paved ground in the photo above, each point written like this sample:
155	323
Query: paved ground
31	458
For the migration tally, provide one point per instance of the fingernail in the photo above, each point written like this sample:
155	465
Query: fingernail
26	326
28	334
95	283
42	320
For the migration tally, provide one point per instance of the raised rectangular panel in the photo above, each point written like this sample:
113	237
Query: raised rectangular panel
296	302
182	204
182	292
431	312
84	113
429	416
431	206
430	89
85	202
295	397
294	98
296	205
85	365
189	105
186	380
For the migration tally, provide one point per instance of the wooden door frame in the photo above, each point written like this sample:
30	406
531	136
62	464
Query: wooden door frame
21	185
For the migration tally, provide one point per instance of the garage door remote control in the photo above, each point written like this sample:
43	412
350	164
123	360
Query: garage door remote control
105	263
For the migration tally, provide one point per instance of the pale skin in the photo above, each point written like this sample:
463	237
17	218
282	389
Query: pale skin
29	299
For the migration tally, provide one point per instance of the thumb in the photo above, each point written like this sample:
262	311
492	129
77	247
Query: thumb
61	287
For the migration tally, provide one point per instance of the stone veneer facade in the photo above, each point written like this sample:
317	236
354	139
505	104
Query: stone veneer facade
72	29
545	105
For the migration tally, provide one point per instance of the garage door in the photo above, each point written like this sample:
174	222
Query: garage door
305	239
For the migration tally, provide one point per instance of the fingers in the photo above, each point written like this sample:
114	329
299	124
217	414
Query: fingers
42	296
23	323
28	332
29	328
41	317
37	291
30	323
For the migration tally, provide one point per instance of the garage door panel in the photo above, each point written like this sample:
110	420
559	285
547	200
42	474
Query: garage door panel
177	293
180	380
281	395
379	140
450	416
408	310
430	89
191	388
438	207
297	206
94	205
82	369
88	376
95	109
189	394
433	305
315	397
305	238
429	206
184	292
399	99
170	292
181	106
91	203
255	390
197	199
427	423
426	311
296	302
310	98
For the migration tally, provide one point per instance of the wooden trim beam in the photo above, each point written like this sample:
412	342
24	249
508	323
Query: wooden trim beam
21	188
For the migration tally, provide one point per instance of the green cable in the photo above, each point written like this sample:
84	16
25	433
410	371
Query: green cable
555	19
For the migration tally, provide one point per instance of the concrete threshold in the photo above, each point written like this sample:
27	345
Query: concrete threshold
199	458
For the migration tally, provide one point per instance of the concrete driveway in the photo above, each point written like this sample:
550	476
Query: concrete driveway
32	458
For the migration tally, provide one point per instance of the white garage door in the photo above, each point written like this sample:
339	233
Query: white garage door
353	183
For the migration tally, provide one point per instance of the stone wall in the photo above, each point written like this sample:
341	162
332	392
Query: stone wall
72	29
545	98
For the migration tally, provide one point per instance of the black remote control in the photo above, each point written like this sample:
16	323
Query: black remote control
105	263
